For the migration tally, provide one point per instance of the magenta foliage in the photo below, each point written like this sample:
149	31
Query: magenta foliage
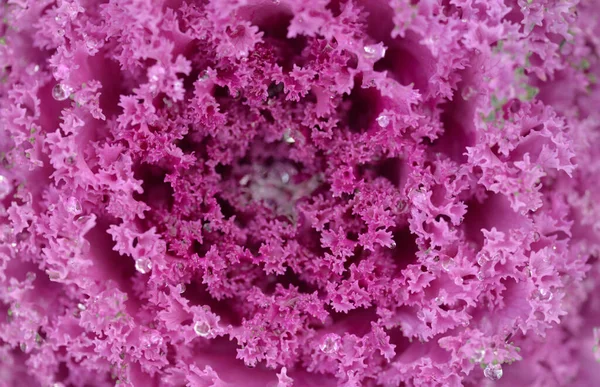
299	193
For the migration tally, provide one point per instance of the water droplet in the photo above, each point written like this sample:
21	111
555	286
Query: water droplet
369	50
30	276
480	275
60	32
154	339
543	294
329	345
287	137
23	347
73	206
479	355
84	219
60	92
60	19
204	76
383	120
202	328
285	177
375	51
58	384
467	93
447	264
459	281
91	45
536	236
53	275
182	288
493	371
36	68
481	260
72	10
5	187
143	265
439	300
245	179
81	307
178	86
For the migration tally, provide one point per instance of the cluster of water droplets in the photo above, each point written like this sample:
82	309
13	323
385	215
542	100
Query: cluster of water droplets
153	339
329	344
73	206
493	371
543	294
479	355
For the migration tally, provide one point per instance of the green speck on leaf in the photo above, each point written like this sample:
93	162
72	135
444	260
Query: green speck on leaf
495	101
499	46
531	92
490	117
585	64
527	61
562	44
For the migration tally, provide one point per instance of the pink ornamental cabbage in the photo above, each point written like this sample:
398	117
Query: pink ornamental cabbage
299	193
